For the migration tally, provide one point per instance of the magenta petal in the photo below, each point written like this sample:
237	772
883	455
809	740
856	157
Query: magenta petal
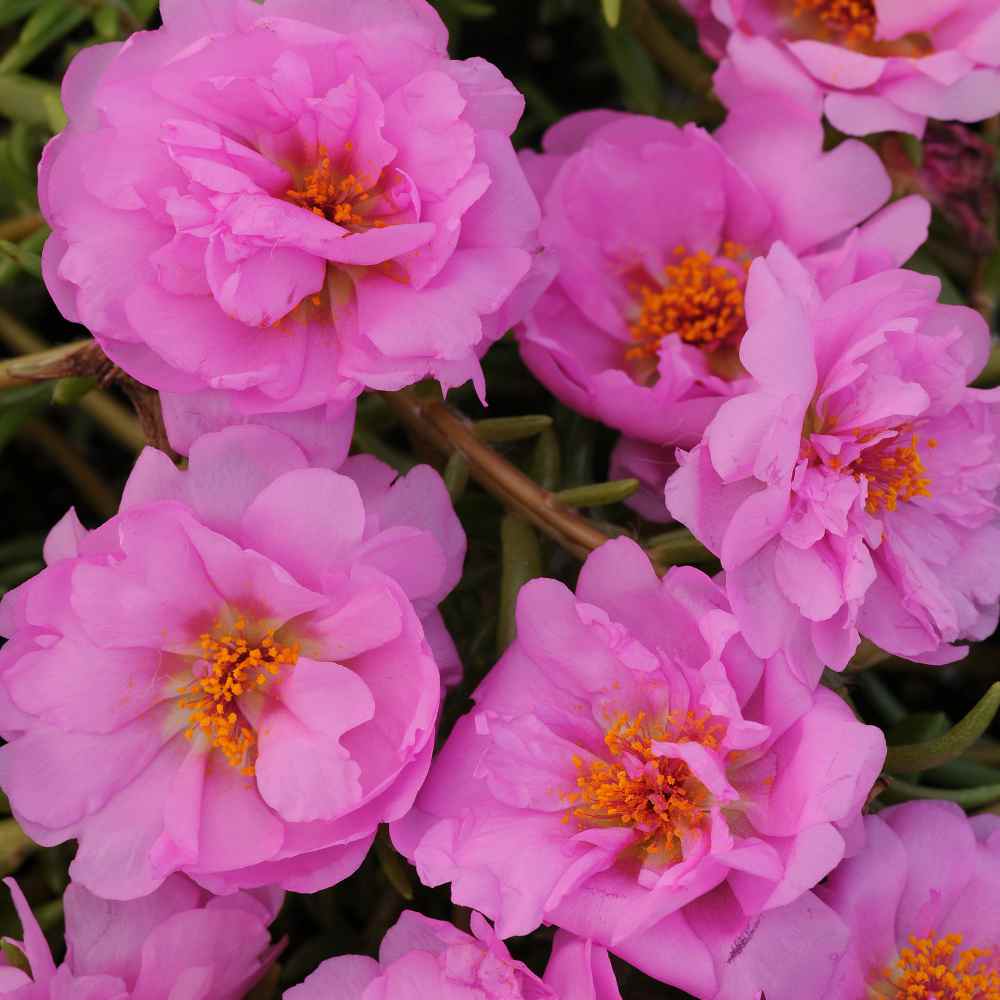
228	470
423	122
305	775
266	286
579	968
237	827
36	949
224	942
57	778
280	521
60	685
326	697
341	978
113	859
369	618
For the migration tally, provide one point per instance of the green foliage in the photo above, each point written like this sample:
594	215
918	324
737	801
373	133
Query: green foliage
947	746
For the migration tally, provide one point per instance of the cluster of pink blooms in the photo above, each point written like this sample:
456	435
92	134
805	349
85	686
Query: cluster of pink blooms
263	209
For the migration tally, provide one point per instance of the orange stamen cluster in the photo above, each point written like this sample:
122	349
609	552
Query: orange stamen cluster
236	665
893	474
339	197
934	968
851	21
657	796
701	302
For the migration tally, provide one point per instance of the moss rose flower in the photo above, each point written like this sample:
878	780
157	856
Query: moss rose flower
289	201
231	677
628	755
853	488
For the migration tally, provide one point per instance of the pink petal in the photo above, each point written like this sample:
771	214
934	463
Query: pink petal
281	521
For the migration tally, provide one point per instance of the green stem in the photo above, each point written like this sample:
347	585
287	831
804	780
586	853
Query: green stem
598	494
521	561
678	548
688	68
990	375
967	798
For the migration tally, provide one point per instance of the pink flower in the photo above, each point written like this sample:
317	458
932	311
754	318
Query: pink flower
324	434
912	914
179	942
654	228
921	894
289	200
235	676
882	65
424	959
854	487
628	755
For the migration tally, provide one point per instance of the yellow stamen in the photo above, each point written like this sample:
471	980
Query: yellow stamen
334	195
852	22
934	968
234	664
657	796
893	474
701	302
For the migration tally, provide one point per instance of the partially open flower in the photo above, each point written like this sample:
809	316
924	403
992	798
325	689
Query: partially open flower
178	942
884	65
920	903
234	677
628	755
654	228
289	201
912	914
854	488
424	959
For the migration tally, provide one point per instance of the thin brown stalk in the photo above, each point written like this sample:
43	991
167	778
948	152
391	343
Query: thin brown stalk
85	358
18	228
79	358
114	417
91	488
430	420
433	421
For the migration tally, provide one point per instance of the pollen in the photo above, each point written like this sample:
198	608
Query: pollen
851	21
234	665
701	301
658	797
935	967
893	474
339	196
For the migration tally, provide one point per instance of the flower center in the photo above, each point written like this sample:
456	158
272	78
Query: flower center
701	302
659	797
934	969
232	665
337	195
851	22
893	473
